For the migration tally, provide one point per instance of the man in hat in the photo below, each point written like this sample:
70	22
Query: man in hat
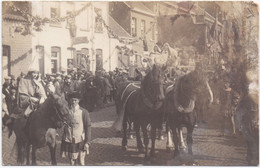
29	92
76	139
13	84
68	86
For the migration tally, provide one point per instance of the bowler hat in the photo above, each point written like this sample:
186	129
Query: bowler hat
74	95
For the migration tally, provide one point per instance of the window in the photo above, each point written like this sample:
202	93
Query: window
71	58
98	21
6	67
55	13
85	51
99	59
40	53
142	27
152	30
133	27
84	63
55	59
70	65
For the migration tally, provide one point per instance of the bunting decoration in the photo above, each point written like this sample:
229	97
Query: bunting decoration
36	22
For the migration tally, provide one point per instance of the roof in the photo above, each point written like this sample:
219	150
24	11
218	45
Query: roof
13	17
115	27
139	7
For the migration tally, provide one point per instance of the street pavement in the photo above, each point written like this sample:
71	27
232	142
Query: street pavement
209	149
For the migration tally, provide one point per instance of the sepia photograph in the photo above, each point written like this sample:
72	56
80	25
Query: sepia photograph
130	83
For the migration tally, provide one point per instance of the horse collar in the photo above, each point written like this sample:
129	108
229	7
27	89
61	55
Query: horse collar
178	106
148	103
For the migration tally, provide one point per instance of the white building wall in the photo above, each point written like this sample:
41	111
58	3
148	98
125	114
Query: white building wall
60	36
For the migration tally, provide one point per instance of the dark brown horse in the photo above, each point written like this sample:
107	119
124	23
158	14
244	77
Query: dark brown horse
145	106
247	121
39	129
179	106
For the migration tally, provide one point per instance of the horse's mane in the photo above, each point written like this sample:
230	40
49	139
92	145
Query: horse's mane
46	105
145	85
184	87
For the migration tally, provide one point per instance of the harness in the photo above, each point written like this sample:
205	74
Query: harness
148	103
178	106
126	89
118	123
57	113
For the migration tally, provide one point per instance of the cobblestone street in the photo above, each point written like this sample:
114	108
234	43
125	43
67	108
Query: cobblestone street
209	149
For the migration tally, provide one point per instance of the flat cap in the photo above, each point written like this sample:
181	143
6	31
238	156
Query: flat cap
74	95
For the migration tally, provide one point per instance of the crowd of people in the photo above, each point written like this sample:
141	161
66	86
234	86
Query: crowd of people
95	90
81	89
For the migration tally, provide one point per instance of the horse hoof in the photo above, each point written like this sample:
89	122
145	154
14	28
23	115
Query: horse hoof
131	137
124	148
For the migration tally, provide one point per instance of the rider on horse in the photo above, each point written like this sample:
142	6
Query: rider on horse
30	92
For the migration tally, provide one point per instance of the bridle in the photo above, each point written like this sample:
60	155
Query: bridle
153	105
59	115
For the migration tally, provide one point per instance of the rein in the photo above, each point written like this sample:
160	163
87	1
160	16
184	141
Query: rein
57	113
178	106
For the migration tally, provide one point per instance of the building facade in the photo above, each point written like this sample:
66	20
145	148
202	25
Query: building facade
190	28
74	42
140	22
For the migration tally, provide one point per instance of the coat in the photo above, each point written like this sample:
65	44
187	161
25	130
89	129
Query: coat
107	86
77	132
27	88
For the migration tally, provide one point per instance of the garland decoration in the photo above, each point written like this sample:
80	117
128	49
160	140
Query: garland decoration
36	22
121	40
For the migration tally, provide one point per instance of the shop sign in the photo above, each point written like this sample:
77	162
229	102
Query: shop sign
80	40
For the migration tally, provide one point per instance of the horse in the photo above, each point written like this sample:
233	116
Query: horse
39	129
122	95
145	106
180	105
247	121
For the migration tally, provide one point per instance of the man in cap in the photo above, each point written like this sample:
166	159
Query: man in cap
10	94
76	139
58	84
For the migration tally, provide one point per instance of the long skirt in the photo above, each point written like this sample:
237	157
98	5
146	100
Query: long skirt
71	149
